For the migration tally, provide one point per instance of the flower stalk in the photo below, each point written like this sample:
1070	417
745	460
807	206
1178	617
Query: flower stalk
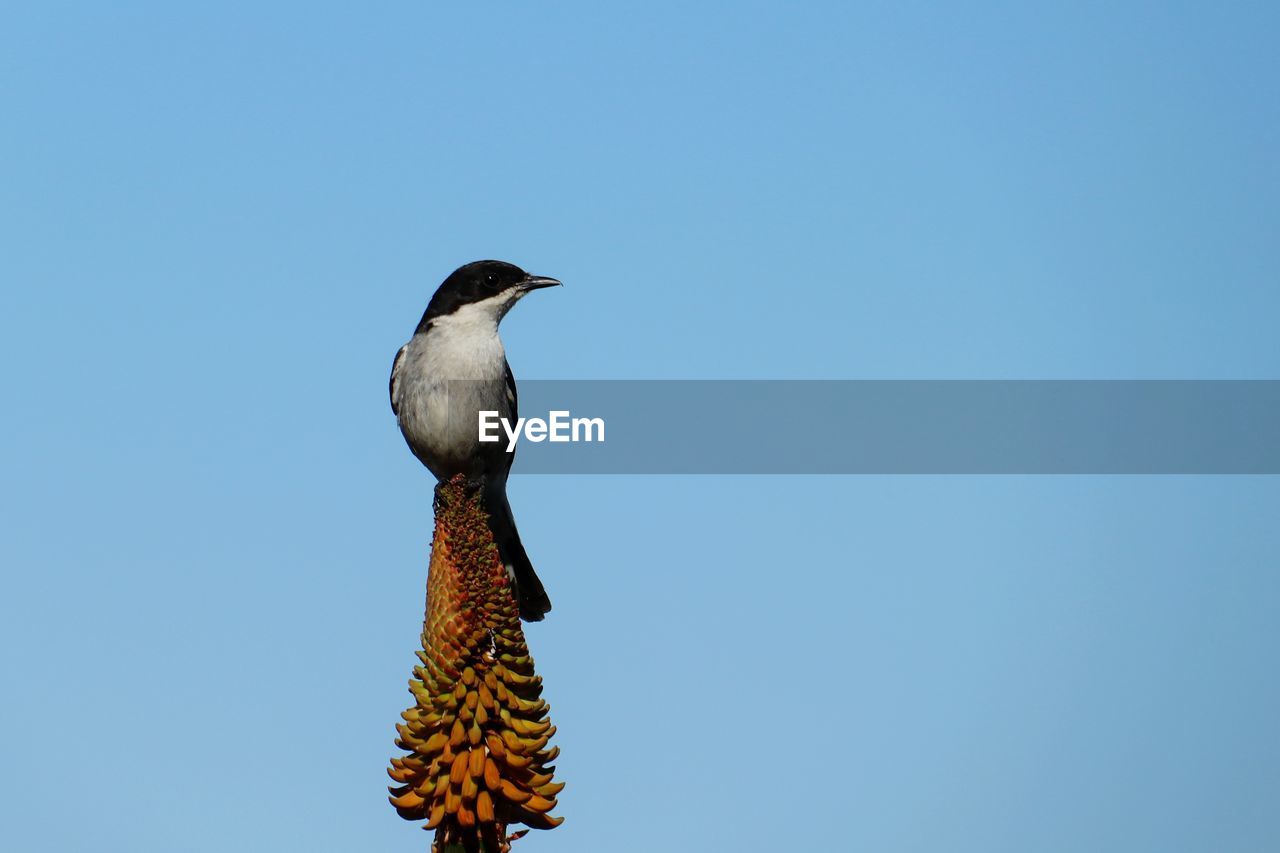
477	736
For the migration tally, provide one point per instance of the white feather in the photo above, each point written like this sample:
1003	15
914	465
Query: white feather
439	420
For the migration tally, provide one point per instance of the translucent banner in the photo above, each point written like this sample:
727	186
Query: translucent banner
885	427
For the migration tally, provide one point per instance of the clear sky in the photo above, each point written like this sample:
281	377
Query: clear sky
220	220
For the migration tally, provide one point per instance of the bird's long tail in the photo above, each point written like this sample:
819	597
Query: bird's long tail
534	602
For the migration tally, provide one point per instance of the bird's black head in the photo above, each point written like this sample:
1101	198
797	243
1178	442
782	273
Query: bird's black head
493	286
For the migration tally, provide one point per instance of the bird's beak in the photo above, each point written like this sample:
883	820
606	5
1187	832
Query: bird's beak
534	282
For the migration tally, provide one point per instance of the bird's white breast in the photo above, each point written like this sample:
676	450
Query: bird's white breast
463	345
449	374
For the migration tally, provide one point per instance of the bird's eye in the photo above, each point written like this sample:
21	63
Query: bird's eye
491	279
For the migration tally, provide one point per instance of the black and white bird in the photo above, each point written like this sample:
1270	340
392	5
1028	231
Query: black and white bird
454	367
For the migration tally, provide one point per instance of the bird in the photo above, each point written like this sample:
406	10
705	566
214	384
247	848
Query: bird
454	367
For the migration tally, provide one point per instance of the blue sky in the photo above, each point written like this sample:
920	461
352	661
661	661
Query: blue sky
221	220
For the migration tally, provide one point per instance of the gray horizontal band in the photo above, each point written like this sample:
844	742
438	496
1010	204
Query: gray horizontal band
909	427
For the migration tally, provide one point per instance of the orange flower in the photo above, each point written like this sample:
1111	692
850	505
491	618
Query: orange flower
477	737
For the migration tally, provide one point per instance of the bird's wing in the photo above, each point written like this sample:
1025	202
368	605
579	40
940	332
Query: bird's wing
395	373
512	402
513	405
